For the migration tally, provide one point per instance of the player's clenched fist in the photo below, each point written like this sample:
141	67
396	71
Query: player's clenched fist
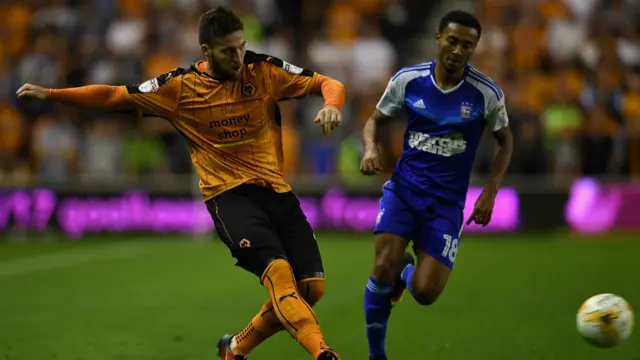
329	118
28	91
370	164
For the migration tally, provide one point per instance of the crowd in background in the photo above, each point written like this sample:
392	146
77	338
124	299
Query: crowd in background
570	70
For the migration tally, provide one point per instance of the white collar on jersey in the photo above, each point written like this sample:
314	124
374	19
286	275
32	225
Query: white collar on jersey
433	80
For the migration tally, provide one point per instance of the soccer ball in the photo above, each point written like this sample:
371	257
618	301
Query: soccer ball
605	320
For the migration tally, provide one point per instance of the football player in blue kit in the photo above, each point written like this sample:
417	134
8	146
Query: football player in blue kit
448	104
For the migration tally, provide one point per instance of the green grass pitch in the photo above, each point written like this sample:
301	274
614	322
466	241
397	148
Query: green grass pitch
510	297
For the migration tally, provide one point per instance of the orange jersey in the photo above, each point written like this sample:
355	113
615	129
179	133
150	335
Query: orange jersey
232	127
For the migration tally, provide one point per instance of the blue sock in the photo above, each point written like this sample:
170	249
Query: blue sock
377	307
407	277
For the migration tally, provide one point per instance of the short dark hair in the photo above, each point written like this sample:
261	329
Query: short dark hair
216	23
461	18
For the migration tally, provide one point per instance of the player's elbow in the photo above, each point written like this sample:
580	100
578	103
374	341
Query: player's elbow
340	87
504	137
331	82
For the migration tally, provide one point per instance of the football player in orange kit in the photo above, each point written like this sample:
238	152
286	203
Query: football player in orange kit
226	107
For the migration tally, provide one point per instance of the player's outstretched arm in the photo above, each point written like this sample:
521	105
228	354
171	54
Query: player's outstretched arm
157	96
371	164
92	96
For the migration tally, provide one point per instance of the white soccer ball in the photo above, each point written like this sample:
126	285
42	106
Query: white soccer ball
605	320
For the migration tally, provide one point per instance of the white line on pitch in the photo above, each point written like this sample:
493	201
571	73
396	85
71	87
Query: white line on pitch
73	257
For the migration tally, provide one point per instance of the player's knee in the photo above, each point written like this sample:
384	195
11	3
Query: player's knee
278	272
389	251
384	266
258	260
384	269
311	290
425	299
426	294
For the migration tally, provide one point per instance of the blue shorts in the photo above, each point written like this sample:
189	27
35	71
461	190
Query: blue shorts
433	225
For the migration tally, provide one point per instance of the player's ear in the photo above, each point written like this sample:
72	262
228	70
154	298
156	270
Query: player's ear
437	35
206	50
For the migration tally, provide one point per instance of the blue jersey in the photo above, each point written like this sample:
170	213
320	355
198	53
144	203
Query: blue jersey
444	128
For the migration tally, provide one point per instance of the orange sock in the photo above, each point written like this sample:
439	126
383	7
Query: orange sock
292	311
266	323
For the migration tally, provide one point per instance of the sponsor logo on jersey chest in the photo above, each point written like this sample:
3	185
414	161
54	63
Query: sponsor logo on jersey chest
443	145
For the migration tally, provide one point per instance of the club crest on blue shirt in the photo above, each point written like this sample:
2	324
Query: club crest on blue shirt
465	110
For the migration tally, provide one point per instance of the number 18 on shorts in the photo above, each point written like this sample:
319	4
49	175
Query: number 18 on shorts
433	226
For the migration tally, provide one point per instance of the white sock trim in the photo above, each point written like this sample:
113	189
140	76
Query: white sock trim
233	345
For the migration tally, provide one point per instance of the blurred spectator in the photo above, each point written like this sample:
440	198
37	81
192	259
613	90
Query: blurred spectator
12	133
491	52
561	121
15	17
253	27
565	38
143	152
582	10
279	44
54	148
55	13
102	151
104	71
125	35
628	45
630	109
529	156
374	59
290	140
349	157
597	143
329	57
42	65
